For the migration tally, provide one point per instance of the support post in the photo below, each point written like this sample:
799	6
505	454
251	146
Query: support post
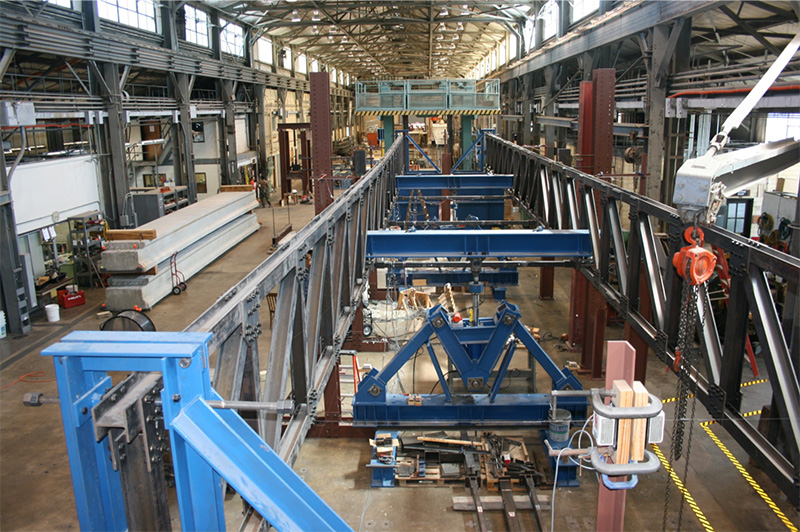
321	140
657	98
621	359
388	130
227	135
466	139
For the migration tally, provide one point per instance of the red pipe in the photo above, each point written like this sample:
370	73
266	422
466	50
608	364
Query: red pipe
733	91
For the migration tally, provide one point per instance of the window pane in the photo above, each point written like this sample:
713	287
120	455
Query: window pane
550	19
265	51
583	8
62	3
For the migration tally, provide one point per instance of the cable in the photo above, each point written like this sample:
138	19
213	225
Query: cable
25	378
558	462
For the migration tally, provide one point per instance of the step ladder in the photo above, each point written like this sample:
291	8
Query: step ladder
349	379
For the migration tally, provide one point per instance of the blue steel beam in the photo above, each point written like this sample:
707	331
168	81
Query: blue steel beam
478	184
479	243
502	277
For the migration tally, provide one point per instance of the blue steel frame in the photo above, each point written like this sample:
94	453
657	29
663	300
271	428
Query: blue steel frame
409	140
478	146
206	444
490	192
474	352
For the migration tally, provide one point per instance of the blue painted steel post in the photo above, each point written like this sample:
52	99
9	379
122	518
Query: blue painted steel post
388	130
97	487
466	139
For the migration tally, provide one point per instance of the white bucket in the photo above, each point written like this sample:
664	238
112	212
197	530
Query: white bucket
2	324
52	312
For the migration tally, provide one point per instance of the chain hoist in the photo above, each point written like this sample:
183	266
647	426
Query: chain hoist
695	265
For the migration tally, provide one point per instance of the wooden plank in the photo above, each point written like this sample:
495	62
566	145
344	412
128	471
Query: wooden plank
623	398
477	444
639	437
237	188
131	234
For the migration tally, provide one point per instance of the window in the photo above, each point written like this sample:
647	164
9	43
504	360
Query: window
529	34
549	14
62	3
503	54
341	77
513	45
347	79
196	25
286	55
137	13
737	214
782	126
333	75
231	38
265	50
584	8
314	65
493	60
302	64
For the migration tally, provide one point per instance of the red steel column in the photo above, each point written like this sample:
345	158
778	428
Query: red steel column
444	205
322	151
611	503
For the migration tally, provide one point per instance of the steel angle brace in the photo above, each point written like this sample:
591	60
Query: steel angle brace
207	445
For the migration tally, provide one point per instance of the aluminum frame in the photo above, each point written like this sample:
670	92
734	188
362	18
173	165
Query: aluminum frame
561	197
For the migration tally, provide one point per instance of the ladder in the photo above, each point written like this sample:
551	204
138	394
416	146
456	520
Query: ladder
349	379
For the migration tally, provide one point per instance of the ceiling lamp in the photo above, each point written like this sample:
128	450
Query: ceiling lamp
439	37
295	16
455	36
452	45
438	46
341	48
442	27
315	29
459	27
315	17
464	10
330	37
444	12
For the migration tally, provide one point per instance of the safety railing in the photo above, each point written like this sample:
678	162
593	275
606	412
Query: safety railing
636	277
426	95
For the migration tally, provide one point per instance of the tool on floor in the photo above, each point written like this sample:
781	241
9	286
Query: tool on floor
178	279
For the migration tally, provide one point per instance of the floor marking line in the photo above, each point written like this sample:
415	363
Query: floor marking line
682	488
750	480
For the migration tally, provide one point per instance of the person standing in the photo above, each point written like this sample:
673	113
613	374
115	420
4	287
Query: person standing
263	192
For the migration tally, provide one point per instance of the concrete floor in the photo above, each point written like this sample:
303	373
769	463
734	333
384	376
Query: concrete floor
36	490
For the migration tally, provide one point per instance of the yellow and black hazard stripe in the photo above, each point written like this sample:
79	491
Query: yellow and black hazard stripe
682	488
750	480
431	112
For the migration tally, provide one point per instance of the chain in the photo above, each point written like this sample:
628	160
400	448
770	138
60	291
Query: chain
684	355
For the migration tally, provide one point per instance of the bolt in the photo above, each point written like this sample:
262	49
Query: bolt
176	397
113	397
185	362
84	410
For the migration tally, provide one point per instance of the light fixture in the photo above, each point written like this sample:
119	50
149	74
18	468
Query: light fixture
442	27
459	27
295	15
341	48
330	37
439	37
464	10
452	45
444	12
438	46
315	29
455	36
315	17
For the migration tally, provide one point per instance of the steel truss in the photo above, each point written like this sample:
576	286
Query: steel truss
564	198
315	307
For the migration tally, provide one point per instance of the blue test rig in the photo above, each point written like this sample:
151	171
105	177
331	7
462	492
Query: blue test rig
481	354
109	435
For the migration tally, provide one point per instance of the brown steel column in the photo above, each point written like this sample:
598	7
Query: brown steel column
321	140
444	205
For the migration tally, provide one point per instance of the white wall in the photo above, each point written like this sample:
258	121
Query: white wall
64	186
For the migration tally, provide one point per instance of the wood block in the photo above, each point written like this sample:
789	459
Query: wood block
131	234
420	282
237	188
623	398
639	436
